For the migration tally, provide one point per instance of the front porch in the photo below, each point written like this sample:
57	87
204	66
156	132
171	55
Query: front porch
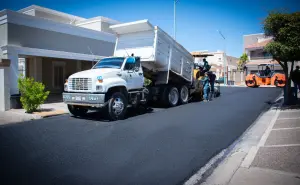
52	72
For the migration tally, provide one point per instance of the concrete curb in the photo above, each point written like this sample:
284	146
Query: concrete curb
201	175
50	114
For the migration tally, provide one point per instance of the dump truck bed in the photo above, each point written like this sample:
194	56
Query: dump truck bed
158	51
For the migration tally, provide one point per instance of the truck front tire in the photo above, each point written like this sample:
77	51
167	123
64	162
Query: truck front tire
117	106
77	111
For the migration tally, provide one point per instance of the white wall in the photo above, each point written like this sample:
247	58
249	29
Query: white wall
217	59
4	88
3	35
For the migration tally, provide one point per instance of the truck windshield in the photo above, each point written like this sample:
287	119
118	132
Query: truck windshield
115	62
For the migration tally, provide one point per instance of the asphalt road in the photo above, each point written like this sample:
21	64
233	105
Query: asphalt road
164	147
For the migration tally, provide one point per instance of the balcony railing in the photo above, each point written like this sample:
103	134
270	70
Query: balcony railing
260	58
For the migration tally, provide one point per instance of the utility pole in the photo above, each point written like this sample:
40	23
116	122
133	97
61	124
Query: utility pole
224	59
174	26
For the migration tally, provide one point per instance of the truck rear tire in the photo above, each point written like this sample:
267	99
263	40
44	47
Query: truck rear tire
117	106
77	111
184	95
171	96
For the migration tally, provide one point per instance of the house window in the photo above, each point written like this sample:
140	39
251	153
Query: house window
58	75
22	66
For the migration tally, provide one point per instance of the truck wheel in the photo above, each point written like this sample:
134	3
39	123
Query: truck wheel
117	106
171	96
77	111
184	95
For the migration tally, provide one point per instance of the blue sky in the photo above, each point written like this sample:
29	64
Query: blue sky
197	20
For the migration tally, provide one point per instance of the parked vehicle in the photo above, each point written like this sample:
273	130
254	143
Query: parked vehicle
261	78
141	51
220	80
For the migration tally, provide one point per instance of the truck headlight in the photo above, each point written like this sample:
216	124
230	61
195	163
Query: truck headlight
100	79
66	87
99	88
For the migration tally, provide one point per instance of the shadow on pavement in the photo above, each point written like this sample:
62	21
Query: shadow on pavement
101	115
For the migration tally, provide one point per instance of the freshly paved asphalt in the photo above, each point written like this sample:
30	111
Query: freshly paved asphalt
164	147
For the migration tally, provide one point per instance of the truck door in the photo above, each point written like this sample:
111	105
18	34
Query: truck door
138	74
129	73
134	73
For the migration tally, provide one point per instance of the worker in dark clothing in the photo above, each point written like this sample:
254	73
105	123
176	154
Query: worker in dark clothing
267	71
212	78
206	89
206	66
295	76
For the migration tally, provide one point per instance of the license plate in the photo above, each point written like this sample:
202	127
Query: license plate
78	98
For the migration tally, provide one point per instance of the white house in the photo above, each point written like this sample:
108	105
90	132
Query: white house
48	45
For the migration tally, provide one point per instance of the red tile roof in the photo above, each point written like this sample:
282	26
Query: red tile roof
259	44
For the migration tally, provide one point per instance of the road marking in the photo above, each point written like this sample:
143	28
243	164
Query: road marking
271	146
291	128
288	118
284	111
269	129
249	157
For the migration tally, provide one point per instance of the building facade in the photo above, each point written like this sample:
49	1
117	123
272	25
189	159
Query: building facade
216	60
49	46
254	47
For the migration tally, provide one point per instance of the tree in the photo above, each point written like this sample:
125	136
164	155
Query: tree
242	61
285	48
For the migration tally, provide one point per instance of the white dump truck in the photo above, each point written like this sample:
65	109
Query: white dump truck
115	83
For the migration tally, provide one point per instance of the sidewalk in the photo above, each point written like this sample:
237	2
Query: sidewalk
271	159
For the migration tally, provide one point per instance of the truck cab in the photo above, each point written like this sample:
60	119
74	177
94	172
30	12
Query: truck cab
114	82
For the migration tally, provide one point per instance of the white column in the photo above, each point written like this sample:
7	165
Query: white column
4	85
218	73
242	76
234	76
14	72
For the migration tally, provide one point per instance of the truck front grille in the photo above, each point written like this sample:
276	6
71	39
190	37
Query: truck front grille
80	84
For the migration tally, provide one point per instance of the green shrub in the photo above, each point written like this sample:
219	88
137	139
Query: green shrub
33	93
147	82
